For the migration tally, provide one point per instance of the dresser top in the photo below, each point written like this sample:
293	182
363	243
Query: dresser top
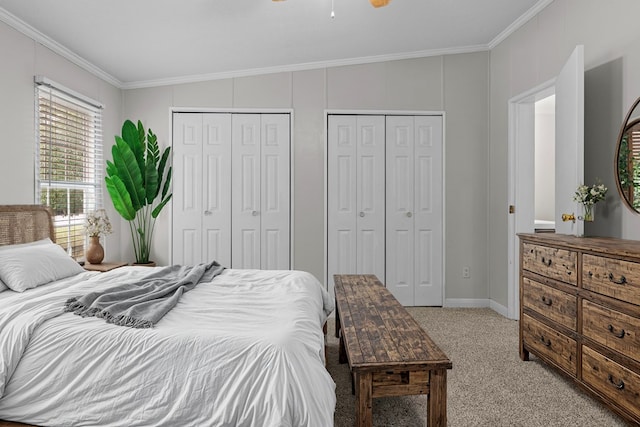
605	245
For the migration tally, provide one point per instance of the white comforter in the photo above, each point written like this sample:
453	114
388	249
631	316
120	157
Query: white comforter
244	350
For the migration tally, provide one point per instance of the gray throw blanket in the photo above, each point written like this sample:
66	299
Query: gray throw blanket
141	304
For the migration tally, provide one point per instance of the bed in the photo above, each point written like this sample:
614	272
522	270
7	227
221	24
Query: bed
245	349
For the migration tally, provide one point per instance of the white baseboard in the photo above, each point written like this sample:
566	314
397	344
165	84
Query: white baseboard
477	303
466	302
499	308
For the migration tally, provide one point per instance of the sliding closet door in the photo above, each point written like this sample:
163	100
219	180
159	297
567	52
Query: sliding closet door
414	209
355	191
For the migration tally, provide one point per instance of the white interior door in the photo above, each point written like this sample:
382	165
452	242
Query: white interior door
216	219
245	184
187	191
414	209
341	197
275	192
400	175
355	196
569	140
370	205
429	199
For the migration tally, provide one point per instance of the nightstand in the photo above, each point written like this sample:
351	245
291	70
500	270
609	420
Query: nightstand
103	267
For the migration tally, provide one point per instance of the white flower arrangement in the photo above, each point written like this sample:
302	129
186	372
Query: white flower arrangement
97	223
589	196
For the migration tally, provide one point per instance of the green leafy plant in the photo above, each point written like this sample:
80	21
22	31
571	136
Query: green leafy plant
135	179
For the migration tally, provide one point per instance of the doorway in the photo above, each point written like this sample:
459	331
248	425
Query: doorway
524	178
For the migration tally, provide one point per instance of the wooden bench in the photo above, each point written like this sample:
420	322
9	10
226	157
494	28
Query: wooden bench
389	354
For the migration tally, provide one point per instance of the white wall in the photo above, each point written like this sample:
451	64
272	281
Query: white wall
545	160
22	60
533	55
456	84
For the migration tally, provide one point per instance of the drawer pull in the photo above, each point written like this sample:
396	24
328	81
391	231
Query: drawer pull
544	341
546	262
619	385
621	281
546	301
620	334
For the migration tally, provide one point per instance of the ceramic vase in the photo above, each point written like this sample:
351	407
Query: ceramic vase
95	251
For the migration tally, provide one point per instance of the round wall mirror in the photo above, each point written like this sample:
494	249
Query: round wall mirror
628	158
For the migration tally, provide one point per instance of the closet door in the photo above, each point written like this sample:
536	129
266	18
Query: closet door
355	191
428	208
202	188
370	181
400	207
245	182
187	191
260	171
414	209
216	192
275	194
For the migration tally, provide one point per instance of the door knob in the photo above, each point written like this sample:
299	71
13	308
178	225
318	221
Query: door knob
361	214
568	217
409	214
207	213
254	213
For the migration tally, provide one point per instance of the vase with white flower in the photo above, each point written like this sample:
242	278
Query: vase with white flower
97	224
588	196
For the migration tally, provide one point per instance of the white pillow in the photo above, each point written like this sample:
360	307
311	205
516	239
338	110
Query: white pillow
29	265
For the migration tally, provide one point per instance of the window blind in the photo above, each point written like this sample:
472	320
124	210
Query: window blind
69	162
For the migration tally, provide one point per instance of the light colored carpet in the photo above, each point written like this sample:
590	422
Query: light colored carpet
488	386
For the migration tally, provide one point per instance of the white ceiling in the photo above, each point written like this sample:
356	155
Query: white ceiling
138	43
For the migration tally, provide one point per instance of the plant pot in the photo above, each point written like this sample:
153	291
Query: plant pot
146	264
95	251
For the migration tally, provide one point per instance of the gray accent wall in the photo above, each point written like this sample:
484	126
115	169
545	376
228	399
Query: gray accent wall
456	84
22	59
472	89
535	54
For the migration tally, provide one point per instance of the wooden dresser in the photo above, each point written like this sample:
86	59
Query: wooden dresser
580	313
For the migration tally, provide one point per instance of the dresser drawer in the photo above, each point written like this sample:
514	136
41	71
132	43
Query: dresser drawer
551	344
612	277
611	328
559	264
611	380
554	304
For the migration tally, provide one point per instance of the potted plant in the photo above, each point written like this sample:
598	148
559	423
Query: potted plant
135	179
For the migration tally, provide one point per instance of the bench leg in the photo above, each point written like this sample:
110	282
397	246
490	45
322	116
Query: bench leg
338	325
437	398
364	383
342	353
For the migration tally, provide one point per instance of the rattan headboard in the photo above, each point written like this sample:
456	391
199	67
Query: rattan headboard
25	223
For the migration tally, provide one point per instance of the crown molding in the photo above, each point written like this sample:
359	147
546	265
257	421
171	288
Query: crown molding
523	19
56	47
303	67
26	29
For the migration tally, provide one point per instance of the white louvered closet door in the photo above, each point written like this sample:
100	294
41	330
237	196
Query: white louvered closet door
414	248
202	188
260	191
355	196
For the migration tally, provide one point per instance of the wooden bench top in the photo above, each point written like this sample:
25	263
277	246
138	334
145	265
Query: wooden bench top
378	331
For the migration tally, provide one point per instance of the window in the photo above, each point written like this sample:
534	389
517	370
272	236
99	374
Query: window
69	160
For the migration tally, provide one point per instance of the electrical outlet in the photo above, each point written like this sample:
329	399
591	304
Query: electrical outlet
466	272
